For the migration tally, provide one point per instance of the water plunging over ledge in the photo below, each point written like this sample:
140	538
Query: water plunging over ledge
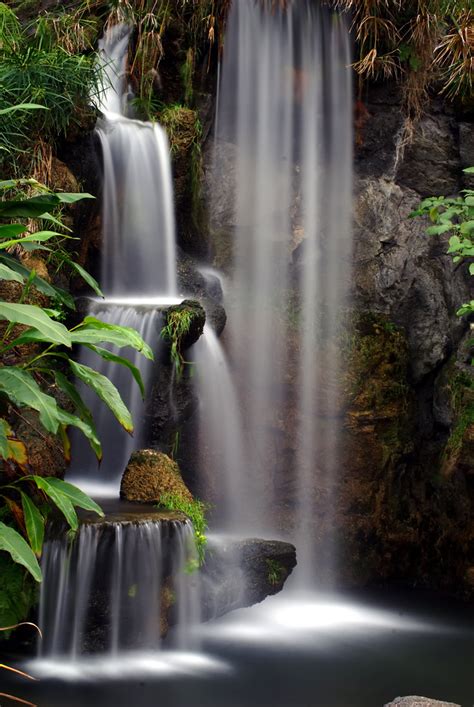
284	131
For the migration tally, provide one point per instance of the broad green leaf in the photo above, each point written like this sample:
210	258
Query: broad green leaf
471	268
7	273
59	499
13	543
93	331
10	183
467	227
109	356
87	277
30	315
469	200
11	230
23	390
37	206
87	425
34	522
76	496
40	284
438	230
38	237
87	429
469	170
106	391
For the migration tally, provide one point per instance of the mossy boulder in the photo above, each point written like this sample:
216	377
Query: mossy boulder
151	474
184	324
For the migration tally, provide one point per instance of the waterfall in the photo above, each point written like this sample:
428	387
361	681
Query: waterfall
109	590
138	259
285	107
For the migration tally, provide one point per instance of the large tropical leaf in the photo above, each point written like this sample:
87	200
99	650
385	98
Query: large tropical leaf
93	331
23	390
13	543
38	237
37	206
34	522
106	391
41	285
33	316
76	496
109	356
59	499
87	428
7	273
87	277
11	230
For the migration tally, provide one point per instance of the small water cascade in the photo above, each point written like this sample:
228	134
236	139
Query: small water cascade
285	112
109	590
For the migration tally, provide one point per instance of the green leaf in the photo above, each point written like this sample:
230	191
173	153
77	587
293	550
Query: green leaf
31	238
76	496
109	356
438	230
106	391
22	107
467	227
23	390
30	315
41	285
87	277
7	273
21	553
88	427
37	206
10	230
93	331
34	522
469	200
469	170
59	499
471	268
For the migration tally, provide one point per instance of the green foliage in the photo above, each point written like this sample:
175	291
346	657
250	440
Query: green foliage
39	72
177	326
454	216
275	572
17	592
195	510
27	499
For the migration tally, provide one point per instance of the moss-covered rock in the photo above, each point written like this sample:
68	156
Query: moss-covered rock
151	474
184	324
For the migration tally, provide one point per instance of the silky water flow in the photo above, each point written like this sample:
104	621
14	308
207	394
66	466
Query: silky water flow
107	589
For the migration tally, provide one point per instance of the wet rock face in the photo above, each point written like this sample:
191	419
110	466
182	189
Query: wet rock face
402	272
187	320
149	475
240	573
419	702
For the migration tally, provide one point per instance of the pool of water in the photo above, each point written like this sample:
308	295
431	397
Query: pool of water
290	651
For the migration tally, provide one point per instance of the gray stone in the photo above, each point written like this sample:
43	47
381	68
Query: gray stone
402	272
419	702
240	573
430	164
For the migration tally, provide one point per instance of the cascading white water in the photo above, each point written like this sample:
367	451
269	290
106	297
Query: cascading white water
106	591
285	105
138	260
221	447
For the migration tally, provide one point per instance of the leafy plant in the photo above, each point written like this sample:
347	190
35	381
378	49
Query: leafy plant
31	380
195	510
177	326
37	72
456	217
275	571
